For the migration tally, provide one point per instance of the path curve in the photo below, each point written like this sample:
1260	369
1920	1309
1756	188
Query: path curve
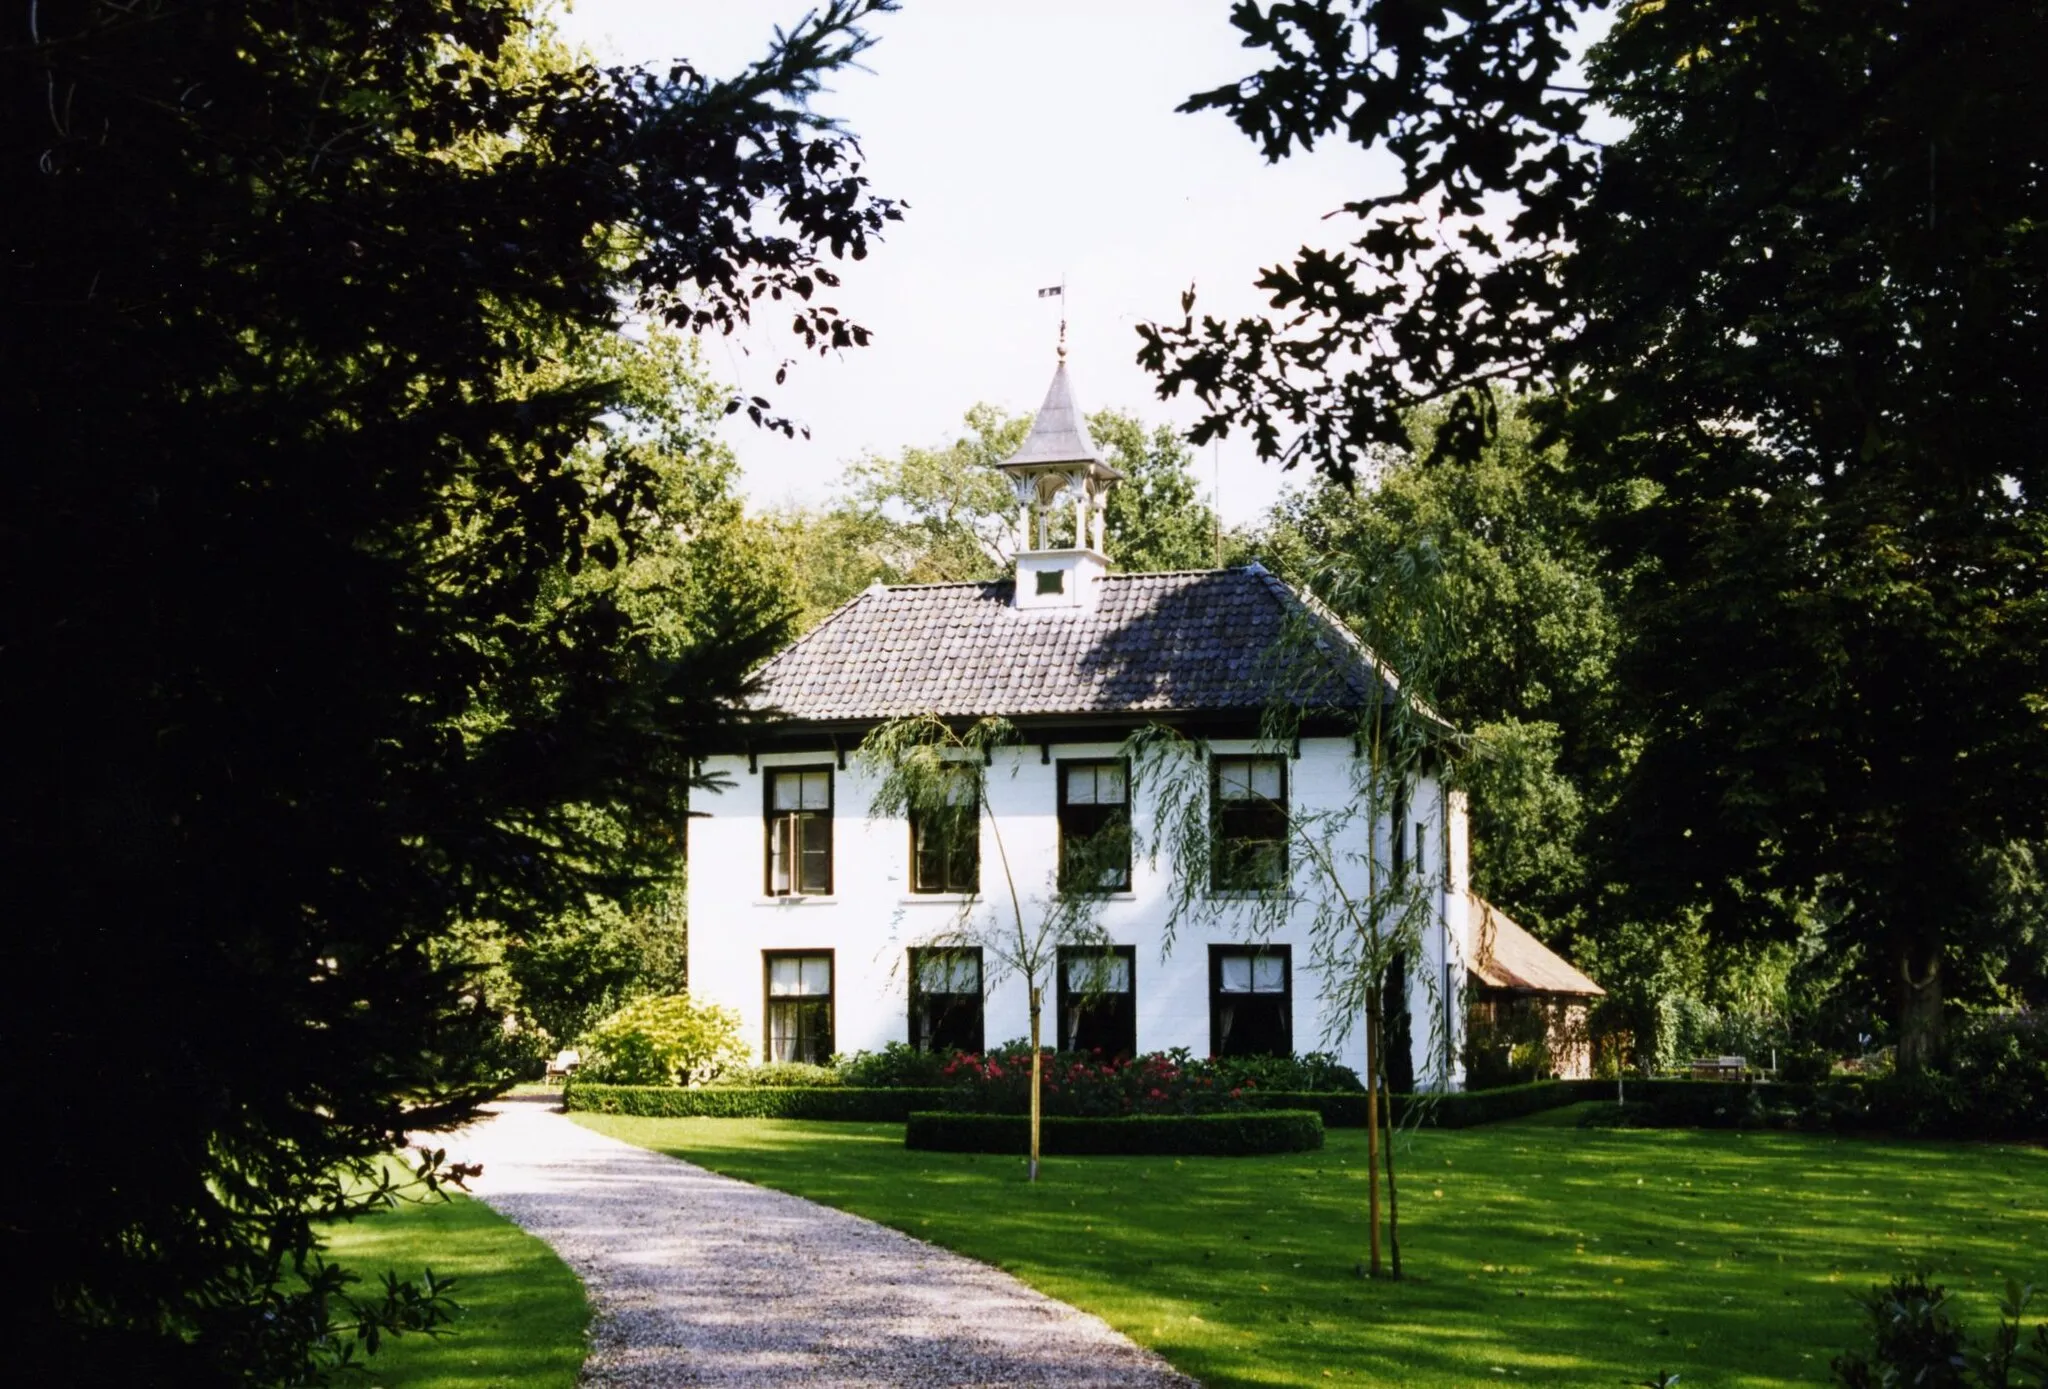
695	1278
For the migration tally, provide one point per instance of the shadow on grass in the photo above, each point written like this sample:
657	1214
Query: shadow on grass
1534	1252
523	1316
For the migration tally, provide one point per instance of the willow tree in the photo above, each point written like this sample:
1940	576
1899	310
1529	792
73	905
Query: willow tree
933	773
1367	905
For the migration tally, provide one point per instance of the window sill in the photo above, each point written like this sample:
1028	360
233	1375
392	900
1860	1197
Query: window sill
1250	894
952	899
797	899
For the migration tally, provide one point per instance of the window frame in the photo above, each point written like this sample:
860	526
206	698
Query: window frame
916	956
970	879
1217	954
1062	995
769	996
1220	861
1062	812
772	820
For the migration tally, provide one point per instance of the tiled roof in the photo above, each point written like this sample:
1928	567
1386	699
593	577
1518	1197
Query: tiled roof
1504	956
1202	640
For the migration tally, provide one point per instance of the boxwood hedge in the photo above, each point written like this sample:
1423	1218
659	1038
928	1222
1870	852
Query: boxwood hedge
752	1102
1235	1134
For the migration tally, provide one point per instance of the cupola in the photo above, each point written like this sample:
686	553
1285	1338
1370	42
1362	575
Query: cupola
1062	485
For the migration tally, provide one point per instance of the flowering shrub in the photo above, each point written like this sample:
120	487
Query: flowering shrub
665	1040
1090	1085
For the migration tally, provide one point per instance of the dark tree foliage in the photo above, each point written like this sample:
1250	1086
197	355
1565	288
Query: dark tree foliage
296	660
1796	315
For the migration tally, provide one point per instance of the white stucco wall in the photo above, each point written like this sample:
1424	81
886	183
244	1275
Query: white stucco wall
872	917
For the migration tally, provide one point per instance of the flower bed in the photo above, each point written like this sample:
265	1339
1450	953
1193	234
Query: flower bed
1083	1085
1239	1134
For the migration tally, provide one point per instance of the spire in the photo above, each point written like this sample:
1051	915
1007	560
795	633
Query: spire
1062	484
1059	434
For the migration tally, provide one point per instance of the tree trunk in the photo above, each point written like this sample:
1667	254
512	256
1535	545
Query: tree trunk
1372	1125
1036	997
1393	1196
1916	986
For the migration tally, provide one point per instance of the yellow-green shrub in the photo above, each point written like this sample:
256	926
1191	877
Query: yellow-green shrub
667	1039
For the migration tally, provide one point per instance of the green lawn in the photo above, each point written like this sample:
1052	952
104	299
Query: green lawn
523	1312
1536	1251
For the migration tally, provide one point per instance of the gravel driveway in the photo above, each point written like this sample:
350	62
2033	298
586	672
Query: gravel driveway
701	1279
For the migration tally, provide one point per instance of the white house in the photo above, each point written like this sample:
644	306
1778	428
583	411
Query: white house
814	917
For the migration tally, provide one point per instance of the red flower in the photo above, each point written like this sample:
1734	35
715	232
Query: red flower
1236	1094
1157	1093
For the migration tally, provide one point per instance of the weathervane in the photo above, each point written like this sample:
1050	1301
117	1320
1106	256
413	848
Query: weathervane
1059	292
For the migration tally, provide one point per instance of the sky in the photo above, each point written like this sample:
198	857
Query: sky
1036	143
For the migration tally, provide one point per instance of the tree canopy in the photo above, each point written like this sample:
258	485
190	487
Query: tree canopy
1794	313
944	514
344	541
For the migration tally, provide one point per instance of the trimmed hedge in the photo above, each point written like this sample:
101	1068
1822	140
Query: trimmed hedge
843	1102
1239	1134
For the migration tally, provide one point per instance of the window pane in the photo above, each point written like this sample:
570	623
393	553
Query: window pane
778	855
948	972
1269	974
799	976
1109	784
1237	974
1244	778
1110	975
1233	780
960	786
816	835
1265	778
801	790
1095	783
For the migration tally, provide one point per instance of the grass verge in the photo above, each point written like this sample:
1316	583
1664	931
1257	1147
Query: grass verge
523	1315
1536	1252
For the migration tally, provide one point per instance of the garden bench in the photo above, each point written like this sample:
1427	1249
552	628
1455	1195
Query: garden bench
562	1067
1720	1068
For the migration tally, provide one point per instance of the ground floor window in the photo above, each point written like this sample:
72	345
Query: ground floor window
945	999
1098	1000
799	988
1251	1000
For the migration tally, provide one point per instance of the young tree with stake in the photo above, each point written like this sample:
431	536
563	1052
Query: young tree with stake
932	772
1367	905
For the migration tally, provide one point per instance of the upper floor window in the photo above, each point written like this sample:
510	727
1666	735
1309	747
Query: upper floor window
1251	1000
799	831
1095	826
945	999
1098	999
1250	848
945	841
799	988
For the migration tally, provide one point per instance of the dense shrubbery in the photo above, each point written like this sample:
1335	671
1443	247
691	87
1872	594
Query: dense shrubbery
1916	1341
664	1040
1991	1082
1211	1135
895	1064
1084	1085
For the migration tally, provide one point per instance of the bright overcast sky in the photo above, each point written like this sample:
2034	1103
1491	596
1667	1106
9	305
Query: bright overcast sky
1033	140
